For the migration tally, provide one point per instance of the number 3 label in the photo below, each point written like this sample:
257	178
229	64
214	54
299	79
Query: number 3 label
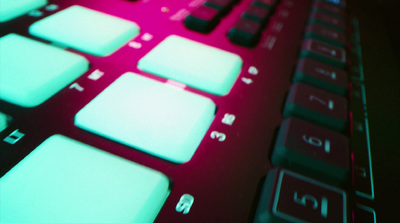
218	135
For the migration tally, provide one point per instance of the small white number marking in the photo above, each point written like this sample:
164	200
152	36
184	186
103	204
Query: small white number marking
218	135
14	137
228	119
329	104
247	80
135	45
314	141
95	75
313	203
147	37
185	203
77	87
253	70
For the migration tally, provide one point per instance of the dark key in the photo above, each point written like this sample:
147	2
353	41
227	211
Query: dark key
222	5
268	4
322	75
326	34
317	106
246	32
324	52
330	9
328	21
203	19
257	13
313	151
289	197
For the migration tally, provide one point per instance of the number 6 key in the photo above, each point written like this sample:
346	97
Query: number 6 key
313	151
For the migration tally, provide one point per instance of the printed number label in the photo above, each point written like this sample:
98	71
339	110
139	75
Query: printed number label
185	203
314	141
312	202
218	135
328	103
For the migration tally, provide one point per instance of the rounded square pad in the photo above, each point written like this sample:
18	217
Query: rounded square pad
200	66
31	71
64	180
86	30
150	116
10	9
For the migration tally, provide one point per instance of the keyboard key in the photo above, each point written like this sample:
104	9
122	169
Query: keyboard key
203	19
147	115
222	5
268	4
32	72
290	197
328	21
325	34
246	32
200	66
257	13
329	9
313	151
86	30
317	106
64	180
324	52
10	9
322	75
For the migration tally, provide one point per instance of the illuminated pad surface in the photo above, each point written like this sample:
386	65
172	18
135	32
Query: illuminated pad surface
86	30
31	71
10	9
150	116
63	180
195	64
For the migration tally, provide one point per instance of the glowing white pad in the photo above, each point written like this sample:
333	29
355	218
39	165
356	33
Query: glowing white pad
86	30
150	116
63	180
31	71
195	64
10	9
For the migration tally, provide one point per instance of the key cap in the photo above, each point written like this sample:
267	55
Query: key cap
64	180
289	197
203	19
325	34
14	8
330	9
257	13
313	151
328	21
324	52
147	115
200	66
246	32
269	4
322	75
32	72
317	106
86	30
222	5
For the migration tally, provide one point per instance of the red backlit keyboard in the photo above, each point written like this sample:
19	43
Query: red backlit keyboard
188	111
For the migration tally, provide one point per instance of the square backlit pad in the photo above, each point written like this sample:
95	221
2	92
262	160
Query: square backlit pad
64	180
86	30
150	116
31	71
198	65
